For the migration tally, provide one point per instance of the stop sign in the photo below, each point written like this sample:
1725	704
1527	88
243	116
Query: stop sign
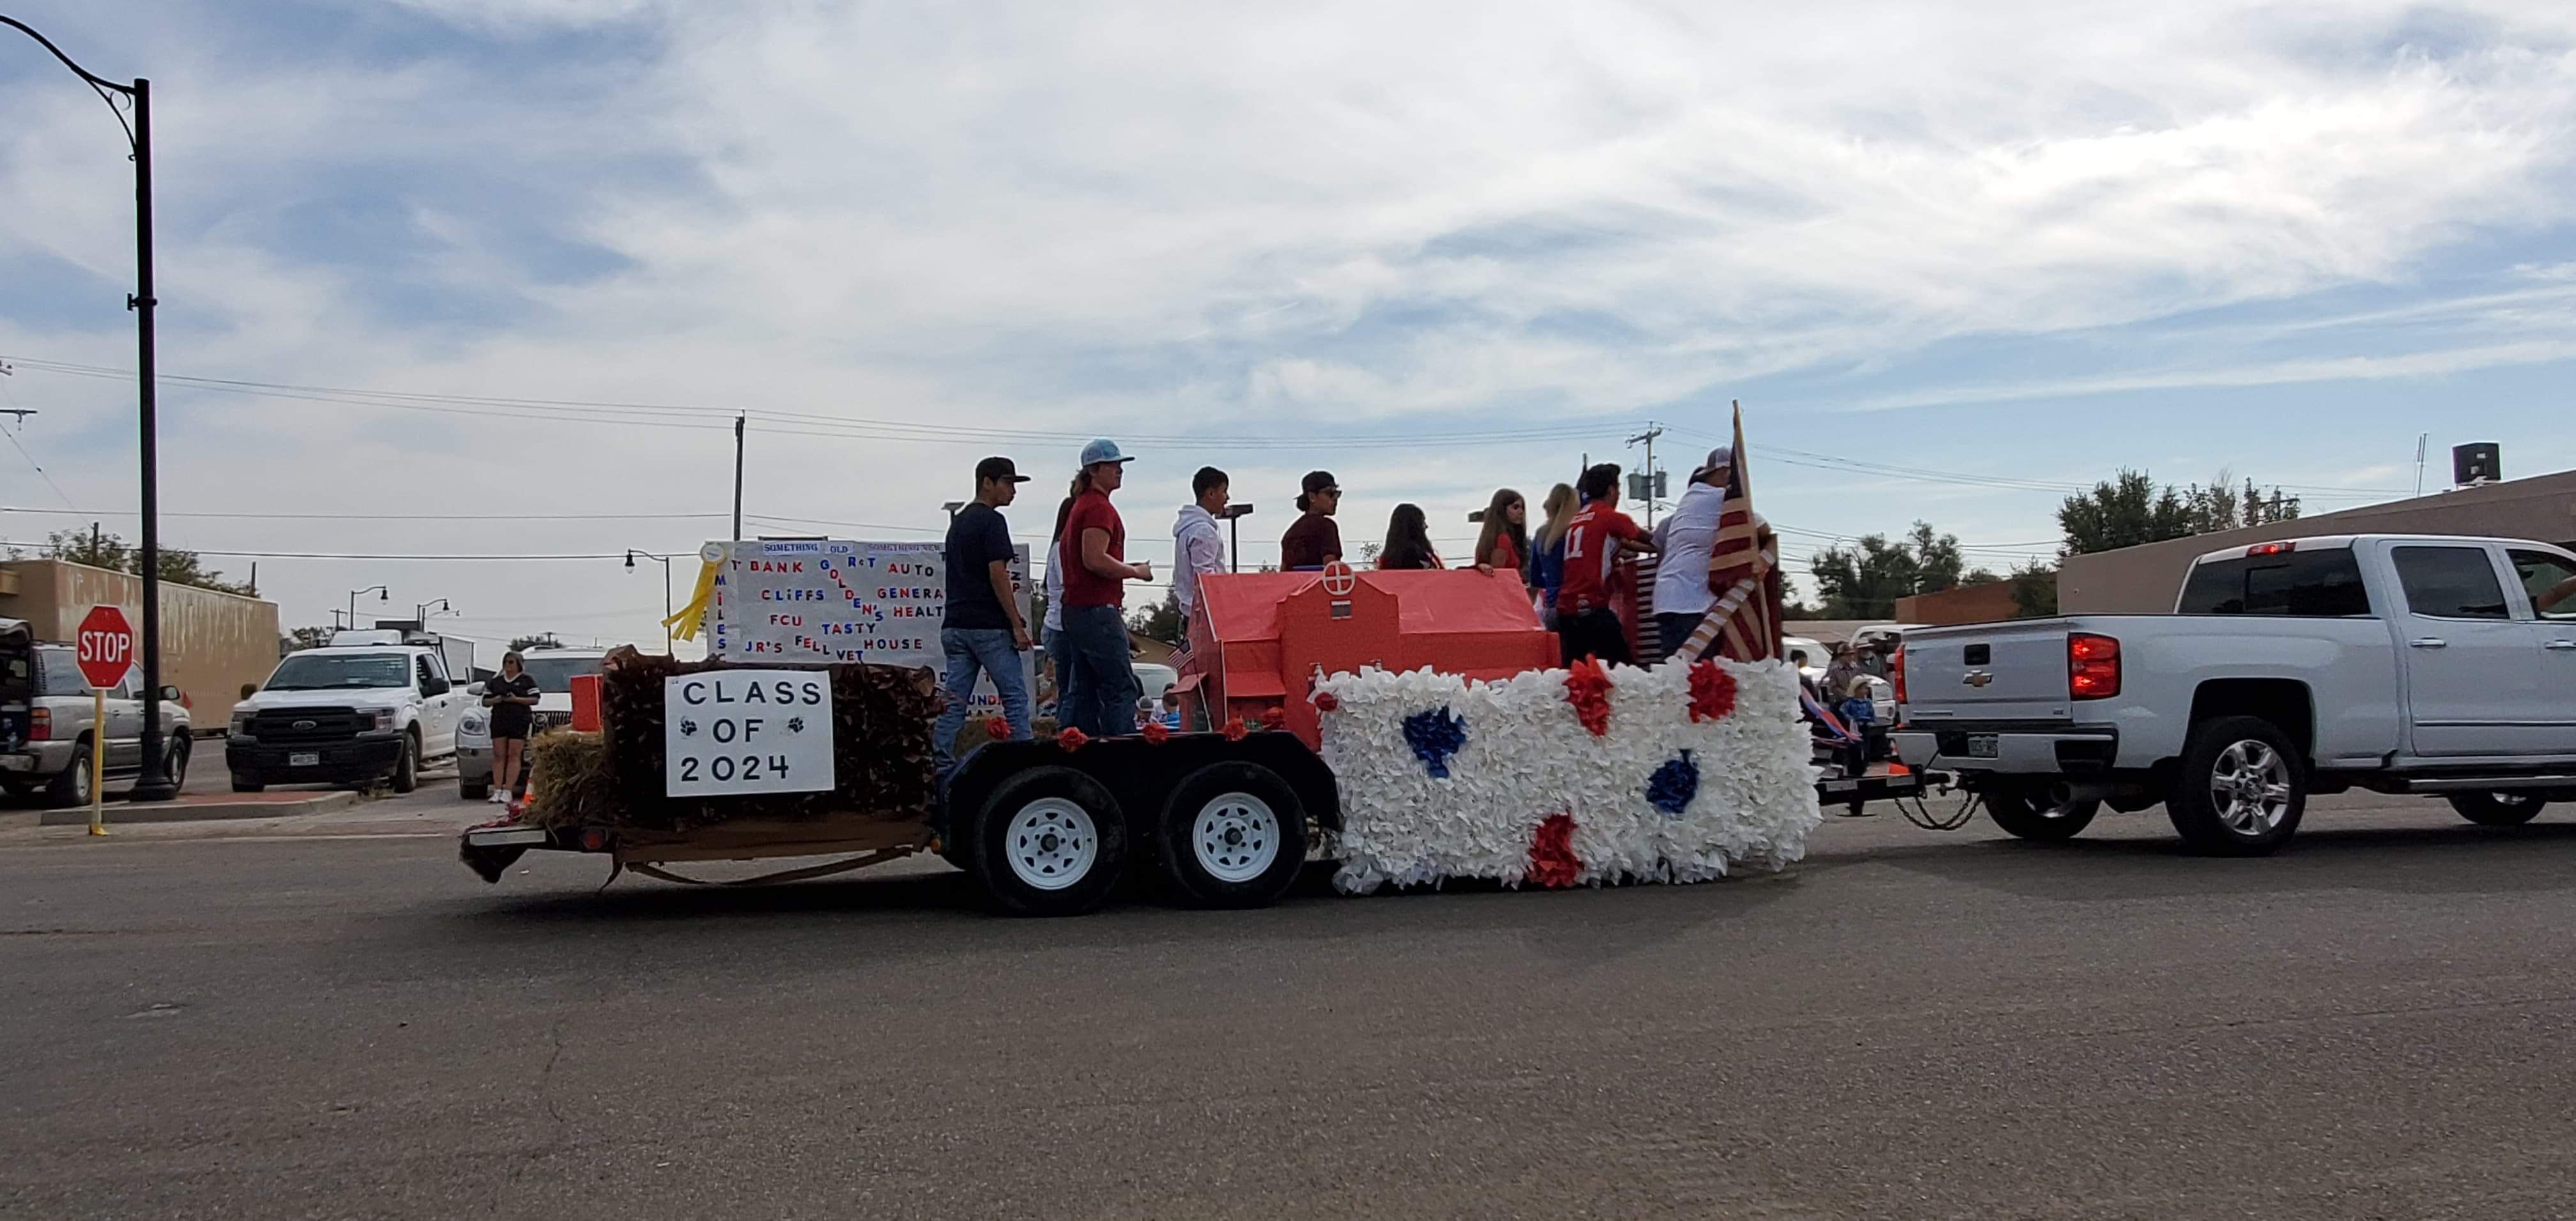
106	646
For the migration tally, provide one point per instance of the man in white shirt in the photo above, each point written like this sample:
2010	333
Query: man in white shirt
1682	597
1198	546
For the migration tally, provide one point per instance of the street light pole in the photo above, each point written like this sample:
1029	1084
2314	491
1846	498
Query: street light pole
381	593
154	782
631	553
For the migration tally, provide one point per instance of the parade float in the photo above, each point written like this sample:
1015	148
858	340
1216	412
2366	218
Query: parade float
1410	726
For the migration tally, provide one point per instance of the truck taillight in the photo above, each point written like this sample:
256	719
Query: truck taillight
1896	672
2092	666
40	725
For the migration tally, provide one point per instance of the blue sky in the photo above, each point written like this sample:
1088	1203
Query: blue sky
2011	248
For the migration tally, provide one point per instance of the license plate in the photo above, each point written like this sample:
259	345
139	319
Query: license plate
309	758
1984	746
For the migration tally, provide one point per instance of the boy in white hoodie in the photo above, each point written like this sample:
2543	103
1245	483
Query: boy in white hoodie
1198	546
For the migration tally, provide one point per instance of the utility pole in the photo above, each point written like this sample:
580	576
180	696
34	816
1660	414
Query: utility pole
738	419
1647	438
2421	439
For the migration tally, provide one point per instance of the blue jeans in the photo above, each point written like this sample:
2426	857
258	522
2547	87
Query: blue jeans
1098	686
973	650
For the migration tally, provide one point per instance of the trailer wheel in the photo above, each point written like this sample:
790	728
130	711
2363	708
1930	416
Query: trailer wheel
2240	789
2498	809
1233	835
1049	842
2044	812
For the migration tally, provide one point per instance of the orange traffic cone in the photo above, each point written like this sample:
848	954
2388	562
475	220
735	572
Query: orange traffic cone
1897	768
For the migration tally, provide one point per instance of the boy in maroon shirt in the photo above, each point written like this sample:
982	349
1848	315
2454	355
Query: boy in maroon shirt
1099	688
1586	626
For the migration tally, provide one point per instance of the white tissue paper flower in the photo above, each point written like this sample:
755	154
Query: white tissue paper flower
1527	756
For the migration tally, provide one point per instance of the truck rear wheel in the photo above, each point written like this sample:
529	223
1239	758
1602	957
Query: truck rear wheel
1233	835
2043	812
71	787
1049	842
2240	790
2498	809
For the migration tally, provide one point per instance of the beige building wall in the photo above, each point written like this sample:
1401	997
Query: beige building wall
211	643
2145	580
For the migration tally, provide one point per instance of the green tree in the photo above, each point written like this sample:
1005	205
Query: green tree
2132	510
1864	580
102	550
1161	621
2034	591
308	638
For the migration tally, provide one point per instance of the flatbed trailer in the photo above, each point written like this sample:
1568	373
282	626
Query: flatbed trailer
1043	830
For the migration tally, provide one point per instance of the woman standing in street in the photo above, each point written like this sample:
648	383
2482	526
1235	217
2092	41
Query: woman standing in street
1547	552
1408	541
1503	545
512	697
1313	540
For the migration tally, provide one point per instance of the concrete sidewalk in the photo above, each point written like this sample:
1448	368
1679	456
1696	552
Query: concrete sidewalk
206	807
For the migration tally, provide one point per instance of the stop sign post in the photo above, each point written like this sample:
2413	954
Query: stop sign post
105	650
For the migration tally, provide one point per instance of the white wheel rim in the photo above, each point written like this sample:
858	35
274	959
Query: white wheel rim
1052	843
1235	837
2250	787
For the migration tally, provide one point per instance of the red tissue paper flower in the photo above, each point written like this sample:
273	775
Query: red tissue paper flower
1712	691
1274	719
1155	733
1235	730
1551	854
1326	701
1072	739
997	728
1587	687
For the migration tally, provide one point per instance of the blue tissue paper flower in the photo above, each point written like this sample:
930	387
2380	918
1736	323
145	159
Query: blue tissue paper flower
1673	785
1435	735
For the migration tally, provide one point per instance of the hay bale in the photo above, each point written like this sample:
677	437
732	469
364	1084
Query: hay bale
572	785
881	757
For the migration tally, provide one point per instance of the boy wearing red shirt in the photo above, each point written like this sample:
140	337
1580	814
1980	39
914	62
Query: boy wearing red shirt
1599	535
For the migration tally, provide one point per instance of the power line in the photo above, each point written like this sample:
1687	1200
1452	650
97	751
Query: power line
320	555
376	516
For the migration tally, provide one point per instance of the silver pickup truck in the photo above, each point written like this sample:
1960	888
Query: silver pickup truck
2434	665
44	740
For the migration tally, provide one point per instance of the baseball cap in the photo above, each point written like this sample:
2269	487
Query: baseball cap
1000	469
1103	450
1722	456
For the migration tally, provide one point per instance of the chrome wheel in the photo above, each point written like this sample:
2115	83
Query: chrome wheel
1236	837
1052	843
2249	786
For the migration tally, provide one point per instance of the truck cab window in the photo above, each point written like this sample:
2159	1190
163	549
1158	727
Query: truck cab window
2450	583
2549	580
2319	584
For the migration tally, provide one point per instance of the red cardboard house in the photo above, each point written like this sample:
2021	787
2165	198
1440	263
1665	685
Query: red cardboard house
1258	639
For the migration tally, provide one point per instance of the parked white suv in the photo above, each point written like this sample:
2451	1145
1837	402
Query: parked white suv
364	709
2404	664
554	670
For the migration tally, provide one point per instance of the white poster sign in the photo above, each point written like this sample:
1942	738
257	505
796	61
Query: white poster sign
821	601
729	733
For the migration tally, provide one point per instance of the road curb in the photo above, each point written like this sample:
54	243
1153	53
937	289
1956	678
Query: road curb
206	811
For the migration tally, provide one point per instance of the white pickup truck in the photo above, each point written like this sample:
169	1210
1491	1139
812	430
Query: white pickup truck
2433	665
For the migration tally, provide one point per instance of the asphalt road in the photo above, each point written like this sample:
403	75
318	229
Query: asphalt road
2374	1024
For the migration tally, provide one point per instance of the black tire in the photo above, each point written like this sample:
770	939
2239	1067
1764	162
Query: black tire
1054	863
474	790
174	763
246	784
70	787
1255	843
2244	826
2498	809
406	775
2038	811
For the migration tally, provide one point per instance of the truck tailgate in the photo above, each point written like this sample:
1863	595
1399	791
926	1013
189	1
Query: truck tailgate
2012	671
